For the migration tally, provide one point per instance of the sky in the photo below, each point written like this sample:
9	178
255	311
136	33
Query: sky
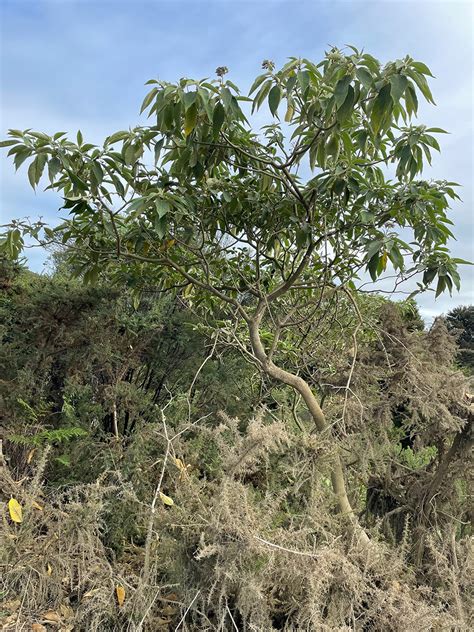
82	64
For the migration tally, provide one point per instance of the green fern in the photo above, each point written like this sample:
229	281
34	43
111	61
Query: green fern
48	437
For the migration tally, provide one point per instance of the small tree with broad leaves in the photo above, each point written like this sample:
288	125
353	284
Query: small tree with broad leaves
270	224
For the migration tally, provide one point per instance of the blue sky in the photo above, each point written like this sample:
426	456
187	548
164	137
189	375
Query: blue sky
69	65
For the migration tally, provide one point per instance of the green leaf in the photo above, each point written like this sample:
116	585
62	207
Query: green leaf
290	84
449	283
189	99
226	96
340	92
32	173
332	148
441	286
261	95
303	80
79	138
361	139
77	182
423	86
97	171
40	136
114	138
54	167
190	119
429	275
136	204
35	170
421	67
158	147
462	261
162	207
456	278
218	118
372	266
8	143
258	81
274	99
399	84
64	459
431	141
396	258
382	108
21	156
411	100
129	154
339	186
364	77
148	99
204	96
160	226
374	248
347	106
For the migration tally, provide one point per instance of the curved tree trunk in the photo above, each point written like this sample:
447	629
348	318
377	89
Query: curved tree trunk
303	388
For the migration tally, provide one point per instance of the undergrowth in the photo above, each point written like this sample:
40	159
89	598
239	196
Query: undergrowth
257	546
144	507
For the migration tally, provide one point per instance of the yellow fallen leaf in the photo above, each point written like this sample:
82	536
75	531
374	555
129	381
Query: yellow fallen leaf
120	592
9	622
30	455
161	623
52	617
16	512
12	605
183	469
180	465
38	627
169	610
166	500
169	597
66	611
49	569
37	506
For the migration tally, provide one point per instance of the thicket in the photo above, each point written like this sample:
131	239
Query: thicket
165	484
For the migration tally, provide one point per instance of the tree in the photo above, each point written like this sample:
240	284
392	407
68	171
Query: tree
460	321
271	226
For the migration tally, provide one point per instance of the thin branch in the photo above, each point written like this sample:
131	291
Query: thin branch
187	610
282	548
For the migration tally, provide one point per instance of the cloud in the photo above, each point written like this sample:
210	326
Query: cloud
68	65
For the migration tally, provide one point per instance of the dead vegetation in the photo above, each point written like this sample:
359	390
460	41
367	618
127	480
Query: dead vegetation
199	520
258	547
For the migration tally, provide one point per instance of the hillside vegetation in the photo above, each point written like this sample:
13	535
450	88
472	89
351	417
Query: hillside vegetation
148	458
216	414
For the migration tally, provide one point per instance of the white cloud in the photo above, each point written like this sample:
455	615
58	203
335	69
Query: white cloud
69	65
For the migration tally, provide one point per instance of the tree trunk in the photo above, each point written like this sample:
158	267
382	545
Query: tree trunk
303	388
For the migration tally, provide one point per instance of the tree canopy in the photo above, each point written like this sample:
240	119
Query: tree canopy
203	196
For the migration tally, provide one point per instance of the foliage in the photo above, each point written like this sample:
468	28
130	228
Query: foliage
70	354
201	186
226	269
252	530
460	320
203	202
